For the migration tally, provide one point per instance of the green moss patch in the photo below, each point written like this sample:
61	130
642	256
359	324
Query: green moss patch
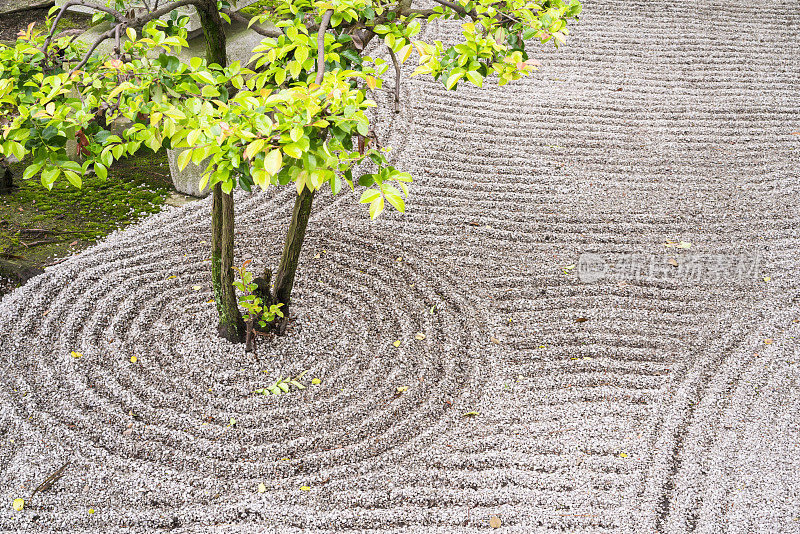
38	226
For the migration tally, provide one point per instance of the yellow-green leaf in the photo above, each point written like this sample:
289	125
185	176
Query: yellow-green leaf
273	162
183	159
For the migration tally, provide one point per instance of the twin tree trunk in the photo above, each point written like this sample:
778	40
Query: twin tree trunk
231	325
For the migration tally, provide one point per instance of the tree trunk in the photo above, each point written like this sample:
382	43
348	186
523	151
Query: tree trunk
284	278
213	31
6	179
231	325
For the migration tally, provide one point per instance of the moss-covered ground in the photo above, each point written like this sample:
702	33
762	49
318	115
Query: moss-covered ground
38	227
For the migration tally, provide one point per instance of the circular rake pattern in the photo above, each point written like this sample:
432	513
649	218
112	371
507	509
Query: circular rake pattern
184	414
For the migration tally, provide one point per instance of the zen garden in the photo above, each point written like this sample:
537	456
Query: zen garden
399	266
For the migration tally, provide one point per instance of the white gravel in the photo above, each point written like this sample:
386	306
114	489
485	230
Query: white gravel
672	408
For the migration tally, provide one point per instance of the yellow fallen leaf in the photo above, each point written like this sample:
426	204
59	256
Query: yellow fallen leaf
210	301
197	288
91	510
134	359
767	278
396	343
305	488
19	504
420	336
495	522
768	341
623	454
262	487
402	389
171	277
316	381
471	414
76	354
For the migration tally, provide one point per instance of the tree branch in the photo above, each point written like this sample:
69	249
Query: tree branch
323	27
107	35
457	8
396	81
91	5
266	32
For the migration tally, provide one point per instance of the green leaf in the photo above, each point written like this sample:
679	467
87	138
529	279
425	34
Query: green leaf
227	186
475	77
293	150
273	162
393	196
100	170
73	178
49	176
368	196
453	80
376	207
336	184
31	170
183	159
296	133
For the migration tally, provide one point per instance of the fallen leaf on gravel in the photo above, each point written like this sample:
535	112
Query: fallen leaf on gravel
420	336
495	522
19	504
75	354
673	262
623	454
91	510
134	359
402	389
767	278
232	422
316	381
471	414
396	343
768	341
171	277
494	340
581	320
45	312
262	487
305	488
197	288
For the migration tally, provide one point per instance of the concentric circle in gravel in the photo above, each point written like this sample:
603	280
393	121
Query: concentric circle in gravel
370	320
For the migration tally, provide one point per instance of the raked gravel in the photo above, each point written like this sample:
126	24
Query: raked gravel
655	394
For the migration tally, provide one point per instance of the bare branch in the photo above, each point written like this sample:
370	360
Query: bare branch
396	81
158	13
457	8
117	40
323	27
103	36
266	32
